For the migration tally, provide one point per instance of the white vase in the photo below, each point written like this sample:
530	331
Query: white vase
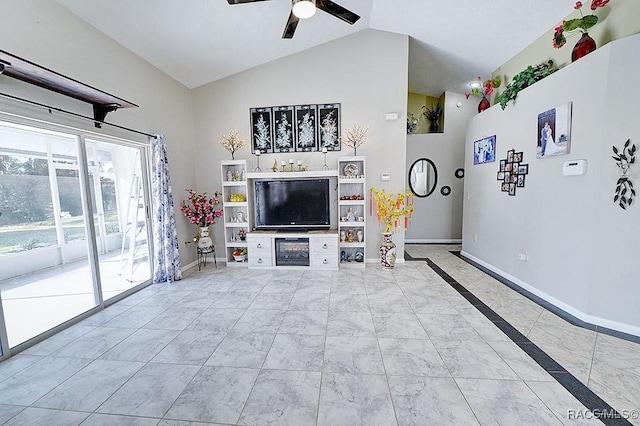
205	242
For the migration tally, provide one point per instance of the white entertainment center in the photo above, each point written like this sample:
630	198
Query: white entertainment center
341	242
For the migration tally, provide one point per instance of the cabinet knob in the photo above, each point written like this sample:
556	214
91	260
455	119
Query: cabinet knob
324	246
260	260
325	261
259	245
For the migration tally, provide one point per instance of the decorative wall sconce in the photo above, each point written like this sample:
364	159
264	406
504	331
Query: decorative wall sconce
624	158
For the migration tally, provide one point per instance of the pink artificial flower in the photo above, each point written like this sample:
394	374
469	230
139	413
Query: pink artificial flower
598	3
578	5
218	213
488	90
467	94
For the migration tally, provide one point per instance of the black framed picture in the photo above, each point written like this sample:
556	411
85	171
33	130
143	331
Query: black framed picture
517	157
500	175
523	169
283	125
306	128
512	189
520	183
510	154
503	165
261	130
329	125
504	187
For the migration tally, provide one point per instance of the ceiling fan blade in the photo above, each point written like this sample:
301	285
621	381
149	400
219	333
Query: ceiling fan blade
291	26
243	1
338	11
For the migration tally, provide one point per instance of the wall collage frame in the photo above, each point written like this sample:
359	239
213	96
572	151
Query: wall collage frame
512	172
295	128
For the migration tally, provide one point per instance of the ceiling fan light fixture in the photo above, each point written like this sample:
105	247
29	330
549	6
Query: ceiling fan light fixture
304	9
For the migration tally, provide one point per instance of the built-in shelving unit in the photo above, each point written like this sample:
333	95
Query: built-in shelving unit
352	203
235	207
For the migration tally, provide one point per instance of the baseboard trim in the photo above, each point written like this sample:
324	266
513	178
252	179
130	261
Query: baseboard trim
560	308
433	241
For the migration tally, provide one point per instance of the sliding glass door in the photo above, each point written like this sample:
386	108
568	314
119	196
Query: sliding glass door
55	189
120	216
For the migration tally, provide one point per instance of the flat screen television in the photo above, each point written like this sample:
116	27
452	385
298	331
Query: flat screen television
296	204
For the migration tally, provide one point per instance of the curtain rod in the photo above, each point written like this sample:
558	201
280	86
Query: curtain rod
50	108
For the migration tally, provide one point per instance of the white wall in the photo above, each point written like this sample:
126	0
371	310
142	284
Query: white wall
438	218
43	32
582	248
365	72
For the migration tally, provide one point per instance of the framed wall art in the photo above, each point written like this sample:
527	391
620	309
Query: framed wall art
283	125
306	128
554	132
329	125
261	130
484	150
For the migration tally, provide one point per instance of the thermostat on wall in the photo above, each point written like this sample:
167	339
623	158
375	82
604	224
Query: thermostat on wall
574	167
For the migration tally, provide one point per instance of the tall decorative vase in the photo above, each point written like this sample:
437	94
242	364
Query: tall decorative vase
433	128
205	243
484	104
583	47
387	251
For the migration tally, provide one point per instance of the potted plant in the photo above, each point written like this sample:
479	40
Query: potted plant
433	115
585	44
239	254
524	79
483	89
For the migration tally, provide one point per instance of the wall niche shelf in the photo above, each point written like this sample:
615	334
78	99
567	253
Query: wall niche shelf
21	69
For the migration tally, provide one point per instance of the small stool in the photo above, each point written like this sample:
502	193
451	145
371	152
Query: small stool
202	256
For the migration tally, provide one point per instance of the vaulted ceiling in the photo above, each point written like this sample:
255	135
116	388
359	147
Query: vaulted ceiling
200	41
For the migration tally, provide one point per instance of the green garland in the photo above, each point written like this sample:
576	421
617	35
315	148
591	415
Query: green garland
524	79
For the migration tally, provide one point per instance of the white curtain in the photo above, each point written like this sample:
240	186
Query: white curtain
167	266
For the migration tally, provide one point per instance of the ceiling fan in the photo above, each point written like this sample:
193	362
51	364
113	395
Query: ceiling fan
303	9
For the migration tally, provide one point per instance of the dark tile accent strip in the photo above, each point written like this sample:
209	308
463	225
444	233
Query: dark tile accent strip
603	411
548	306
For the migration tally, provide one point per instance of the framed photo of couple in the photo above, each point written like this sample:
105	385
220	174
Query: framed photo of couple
554	132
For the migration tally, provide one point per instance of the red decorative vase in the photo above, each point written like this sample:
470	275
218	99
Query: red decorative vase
583	47
484	104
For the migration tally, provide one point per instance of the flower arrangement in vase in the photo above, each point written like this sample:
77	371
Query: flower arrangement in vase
201	210
232	142
412	122
483	89
433	115
585	44
390	209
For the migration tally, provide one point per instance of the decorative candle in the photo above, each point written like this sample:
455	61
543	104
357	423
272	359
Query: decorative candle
324	150
258	153
299	162
282	163
290	160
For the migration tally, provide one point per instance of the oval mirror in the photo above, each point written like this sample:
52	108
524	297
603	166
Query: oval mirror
423	177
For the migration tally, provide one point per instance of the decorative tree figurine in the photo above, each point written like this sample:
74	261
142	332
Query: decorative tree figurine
232	142
355	137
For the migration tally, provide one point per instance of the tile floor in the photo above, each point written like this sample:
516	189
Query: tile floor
355	347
